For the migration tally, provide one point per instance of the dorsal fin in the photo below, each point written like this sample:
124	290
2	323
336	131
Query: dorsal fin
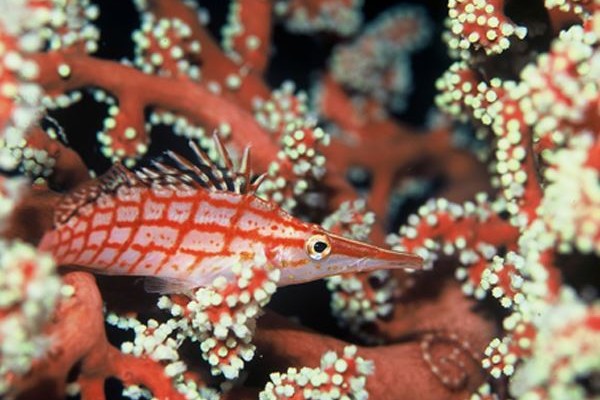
173	171
205	172
109	182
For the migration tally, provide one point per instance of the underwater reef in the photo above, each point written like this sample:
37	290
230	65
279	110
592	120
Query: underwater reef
299	199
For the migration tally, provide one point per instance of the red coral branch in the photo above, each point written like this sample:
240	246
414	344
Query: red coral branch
87	349
138	91
526	82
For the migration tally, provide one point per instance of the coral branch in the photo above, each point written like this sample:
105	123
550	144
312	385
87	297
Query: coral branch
247	34
88	348
499	195
138	90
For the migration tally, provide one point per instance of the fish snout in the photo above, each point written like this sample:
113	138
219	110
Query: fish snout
367	257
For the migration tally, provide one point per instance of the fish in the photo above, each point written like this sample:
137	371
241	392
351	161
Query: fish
183	223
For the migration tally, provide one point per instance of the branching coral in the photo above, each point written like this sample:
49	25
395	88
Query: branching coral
507	305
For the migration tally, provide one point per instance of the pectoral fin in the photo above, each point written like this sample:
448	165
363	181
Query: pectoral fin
153	284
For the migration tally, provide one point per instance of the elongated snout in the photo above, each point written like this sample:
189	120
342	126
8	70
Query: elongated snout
325	254
366	257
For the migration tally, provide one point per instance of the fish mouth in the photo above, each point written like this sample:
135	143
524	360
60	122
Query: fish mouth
367	257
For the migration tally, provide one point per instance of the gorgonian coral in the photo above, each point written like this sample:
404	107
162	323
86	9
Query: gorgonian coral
497	190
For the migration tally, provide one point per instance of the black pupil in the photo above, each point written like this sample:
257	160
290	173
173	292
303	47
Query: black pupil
320	247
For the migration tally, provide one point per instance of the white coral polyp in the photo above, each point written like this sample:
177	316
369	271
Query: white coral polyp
571	203
568	62
222	317
18	16
339	377
19	96
340	17
565	350
29	289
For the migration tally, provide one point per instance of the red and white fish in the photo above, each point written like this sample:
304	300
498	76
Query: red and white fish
186	224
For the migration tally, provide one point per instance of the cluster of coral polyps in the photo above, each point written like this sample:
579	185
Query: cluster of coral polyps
507	306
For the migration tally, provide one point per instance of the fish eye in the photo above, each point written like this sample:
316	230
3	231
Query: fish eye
318	247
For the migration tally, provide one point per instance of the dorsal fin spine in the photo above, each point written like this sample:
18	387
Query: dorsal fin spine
184	172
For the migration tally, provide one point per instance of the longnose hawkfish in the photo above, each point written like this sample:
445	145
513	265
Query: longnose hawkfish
187	223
